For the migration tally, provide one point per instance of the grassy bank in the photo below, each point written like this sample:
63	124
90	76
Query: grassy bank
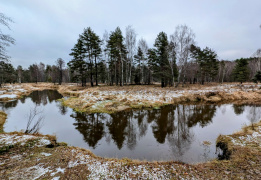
3	117
110	99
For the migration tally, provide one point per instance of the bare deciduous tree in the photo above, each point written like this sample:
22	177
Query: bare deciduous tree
105	54
144	48
60	64
183	38
130	42
33	125
5	39
257	59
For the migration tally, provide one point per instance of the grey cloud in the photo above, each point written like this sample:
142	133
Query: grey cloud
46	30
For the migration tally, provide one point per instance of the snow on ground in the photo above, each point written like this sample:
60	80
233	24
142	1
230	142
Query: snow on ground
46	154
58	170
21	90
2	92
255	137
154	95
111	169
12	139
9	96
35	171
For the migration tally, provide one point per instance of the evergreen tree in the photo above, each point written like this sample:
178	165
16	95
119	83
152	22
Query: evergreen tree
208	63
101	69
92	51
117	52
77	65
96	43
87	38
138	58
7	72
257	77
158	58
34	73
241	70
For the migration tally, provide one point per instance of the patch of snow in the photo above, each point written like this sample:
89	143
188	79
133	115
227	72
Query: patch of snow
46	154
17	157
108	169
12	139
37	171
56	178
2	92
43	142
58	170
10	96
21	90
244	140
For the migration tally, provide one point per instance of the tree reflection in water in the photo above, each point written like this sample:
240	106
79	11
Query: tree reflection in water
171	123
43	97
238	109
90	126
253	112
170	127
38	97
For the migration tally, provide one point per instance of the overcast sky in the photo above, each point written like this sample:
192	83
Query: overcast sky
46	30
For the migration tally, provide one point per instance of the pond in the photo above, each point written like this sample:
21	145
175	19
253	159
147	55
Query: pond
174	132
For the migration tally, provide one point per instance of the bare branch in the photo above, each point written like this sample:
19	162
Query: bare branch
5	20
34	112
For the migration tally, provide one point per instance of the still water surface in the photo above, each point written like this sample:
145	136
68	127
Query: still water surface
173	132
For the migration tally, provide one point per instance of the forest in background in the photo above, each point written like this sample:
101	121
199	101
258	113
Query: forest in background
117	59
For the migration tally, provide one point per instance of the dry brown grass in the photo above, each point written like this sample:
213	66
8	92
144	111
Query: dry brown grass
3	117
90	99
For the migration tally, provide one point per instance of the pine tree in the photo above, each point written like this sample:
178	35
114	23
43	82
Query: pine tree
159	58
257	77
117	52
96	44
138	58
207	60
77	65
241	71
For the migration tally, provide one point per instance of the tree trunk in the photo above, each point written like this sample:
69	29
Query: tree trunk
96	72
162	83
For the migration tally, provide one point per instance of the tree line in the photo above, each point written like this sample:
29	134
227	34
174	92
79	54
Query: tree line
173	60
121	60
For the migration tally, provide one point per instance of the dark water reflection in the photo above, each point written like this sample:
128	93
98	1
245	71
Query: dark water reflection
171	133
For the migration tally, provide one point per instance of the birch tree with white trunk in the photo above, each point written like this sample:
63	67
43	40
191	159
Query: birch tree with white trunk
144	48
130	42
183	38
